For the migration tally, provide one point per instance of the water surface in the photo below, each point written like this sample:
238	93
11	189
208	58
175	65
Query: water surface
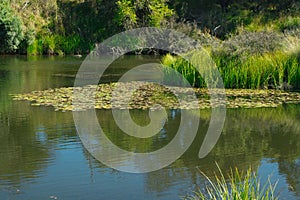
41	156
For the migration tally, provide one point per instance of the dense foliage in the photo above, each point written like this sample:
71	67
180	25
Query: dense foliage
142	13
74	26
11	33
252	60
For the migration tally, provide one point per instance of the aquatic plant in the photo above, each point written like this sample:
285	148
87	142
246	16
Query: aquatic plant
238	186
271	70
151	94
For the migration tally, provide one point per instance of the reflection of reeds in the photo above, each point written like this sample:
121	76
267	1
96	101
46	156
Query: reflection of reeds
239	186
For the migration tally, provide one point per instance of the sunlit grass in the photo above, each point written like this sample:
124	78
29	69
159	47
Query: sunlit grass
238	186
184	68
271	70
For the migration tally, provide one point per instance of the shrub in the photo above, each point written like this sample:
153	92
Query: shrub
132	14
192	30
251	43
11	34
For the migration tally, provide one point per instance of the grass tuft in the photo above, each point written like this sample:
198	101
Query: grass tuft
276	70
239	186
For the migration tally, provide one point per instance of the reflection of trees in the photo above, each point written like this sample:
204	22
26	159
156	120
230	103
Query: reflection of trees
248	136
130	143
28	135
291	169
21	156
27	142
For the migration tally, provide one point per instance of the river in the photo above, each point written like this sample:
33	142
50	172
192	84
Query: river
41	156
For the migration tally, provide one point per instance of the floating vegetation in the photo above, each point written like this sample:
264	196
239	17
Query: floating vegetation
149	96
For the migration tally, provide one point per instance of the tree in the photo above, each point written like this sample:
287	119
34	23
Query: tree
142	13
11	34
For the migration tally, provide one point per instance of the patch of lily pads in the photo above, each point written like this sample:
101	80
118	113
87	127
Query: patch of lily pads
142	95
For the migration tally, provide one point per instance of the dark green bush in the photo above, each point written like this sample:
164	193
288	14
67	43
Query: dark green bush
11	34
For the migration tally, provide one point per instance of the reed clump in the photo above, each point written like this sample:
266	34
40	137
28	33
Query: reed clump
247	61
239	186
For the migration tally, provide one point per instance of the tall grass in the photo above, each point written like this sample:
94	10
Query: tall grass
58	44
184	68
239	186
270	70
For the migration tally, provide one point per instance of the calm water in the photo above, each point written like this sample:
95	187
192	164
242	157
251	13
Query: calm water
41	157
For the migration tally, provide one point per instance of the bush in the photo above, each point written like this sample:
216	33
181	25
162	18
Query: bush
192	30
11	34
251	43
133	14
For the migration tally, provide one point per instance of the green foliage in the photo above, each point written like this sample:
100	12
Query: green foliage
251	60
126	13
68	44
36	48
240	186
184	68
141	13
58	44
224	17
276	70
289	23
93	21
272	70
11	34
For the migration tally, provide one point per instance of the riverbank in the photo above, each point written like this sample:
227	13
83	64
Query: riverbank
150	95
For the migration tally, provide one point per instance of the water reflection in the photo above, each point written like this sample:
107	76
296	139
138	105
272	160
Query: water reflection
41	155
249	137
291	170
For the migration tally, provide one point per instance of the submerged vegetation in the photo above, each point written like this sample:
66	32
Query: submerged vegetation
239	186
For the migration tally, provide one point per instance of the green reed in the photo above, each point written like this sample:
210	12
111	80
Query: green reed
271	70
238	186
